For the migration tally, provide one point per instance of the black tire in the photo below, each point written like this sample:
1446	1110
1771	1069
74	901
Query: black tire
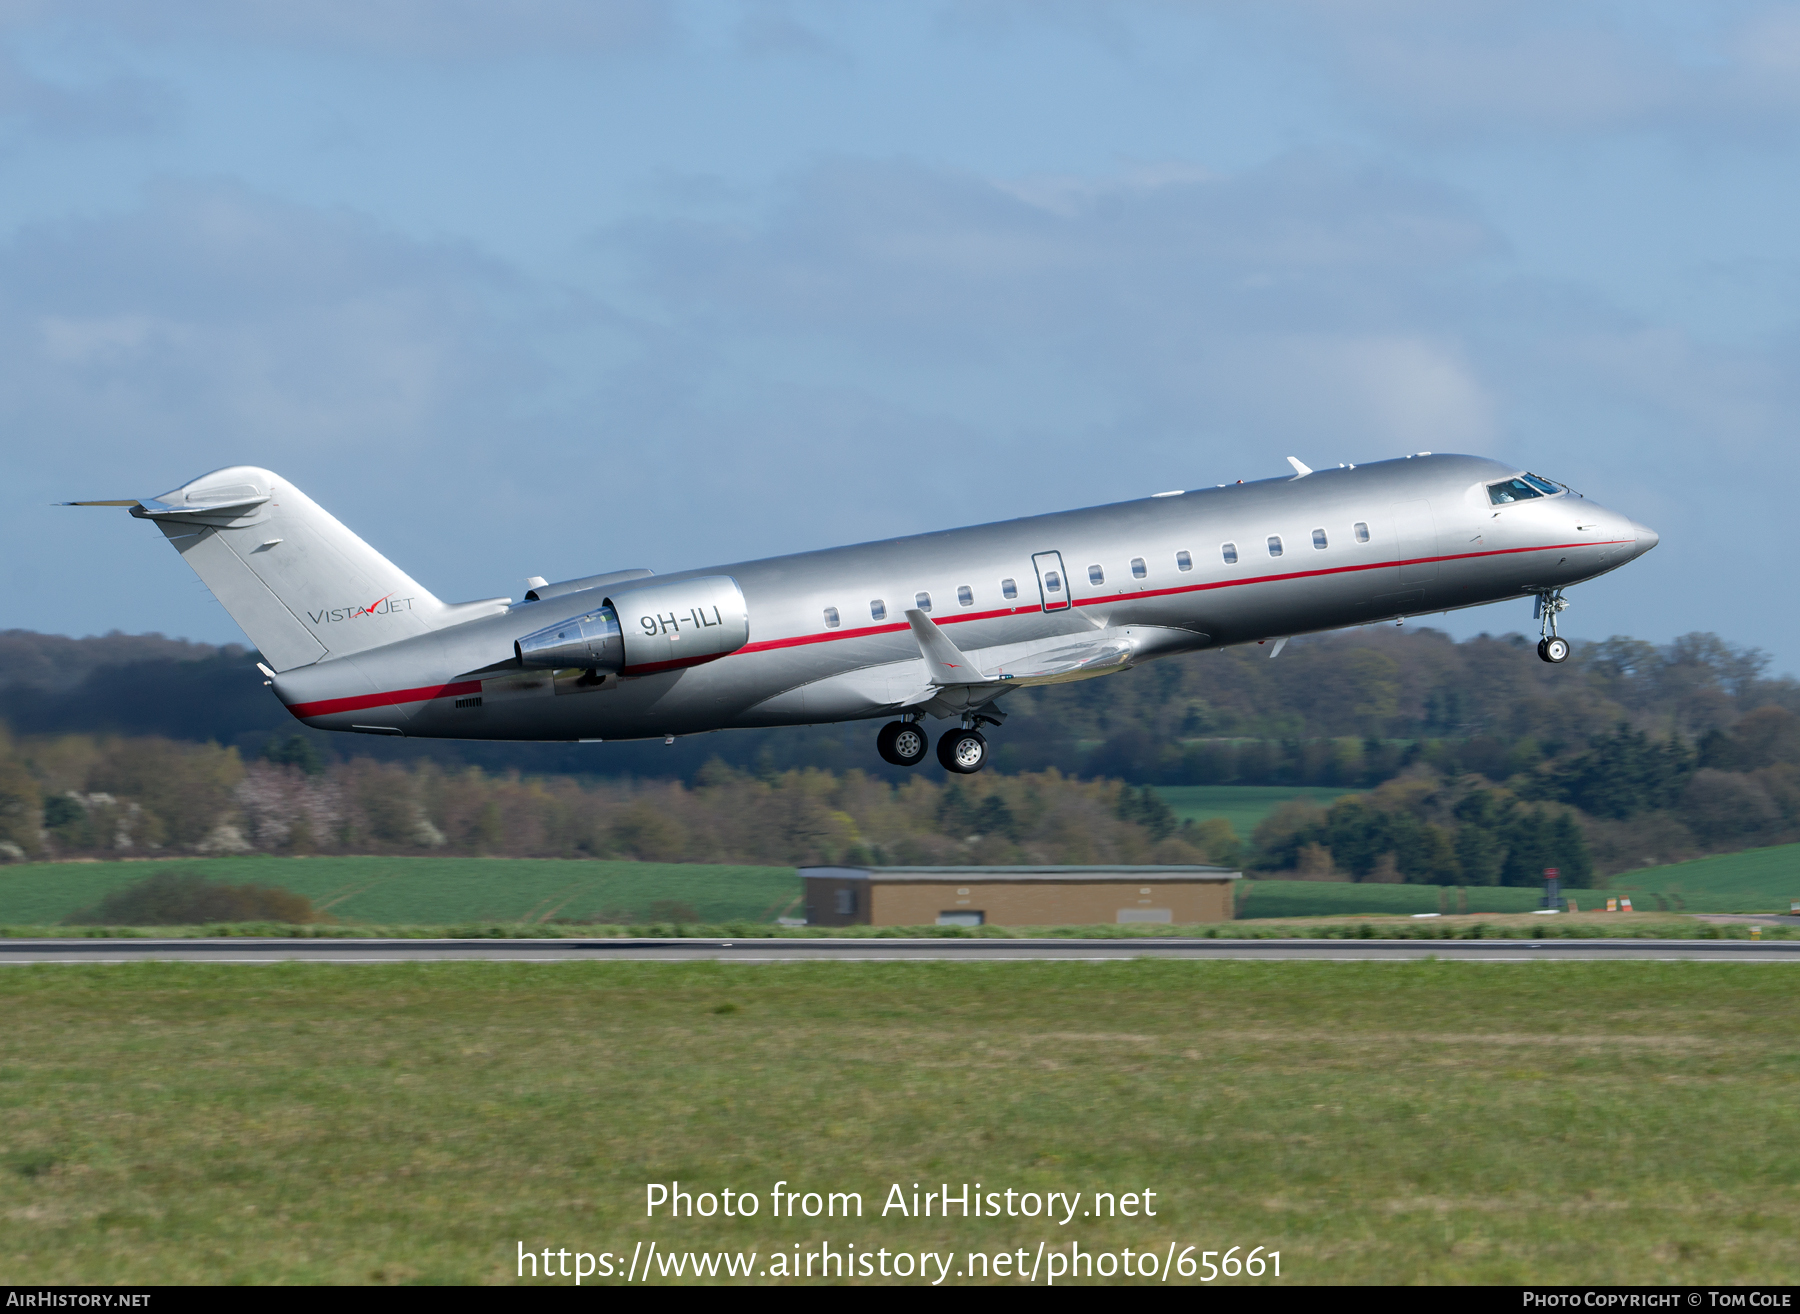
1554	651
902	743
1540	650
963	752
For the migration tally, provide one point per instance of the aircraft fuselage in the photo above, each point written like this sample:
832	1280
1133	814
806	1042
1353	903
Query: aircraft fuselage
829	639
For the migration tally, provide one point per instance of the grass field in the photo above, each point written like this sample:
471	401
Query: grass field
513	891
1244	806
430	890
1754	880
449	891
1426	1122
1260	899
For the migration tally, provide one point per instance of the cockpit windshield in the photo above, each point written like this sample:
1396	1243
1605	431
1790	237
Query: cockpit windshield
1523	488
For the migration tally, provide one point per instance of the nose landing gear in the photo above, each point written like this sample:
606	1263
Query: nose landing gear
1551	647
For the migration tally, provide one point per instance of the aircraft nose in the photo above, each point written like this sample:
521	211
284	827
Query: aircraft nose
1647	537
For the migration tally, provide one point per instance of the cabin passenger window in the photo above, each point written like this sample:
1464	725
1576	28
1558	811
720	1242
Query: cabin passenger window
1274	545
1513	490
965	596
1052	582
1009	589
1229	552
878	609
831	618
1183	561
1096	576
1319	539
922	601
1362	532
1138	568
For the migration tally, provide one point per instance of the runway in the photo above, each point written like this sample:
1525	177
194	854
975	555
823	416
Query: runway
233	950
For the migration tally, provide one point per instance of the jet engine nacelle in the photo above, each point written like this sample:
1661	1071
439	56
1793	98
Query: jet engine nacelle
639	631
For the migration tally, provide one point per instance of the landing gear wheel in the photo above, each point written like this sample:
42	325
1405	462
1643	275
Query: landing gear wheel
1554	651
902	742
963	751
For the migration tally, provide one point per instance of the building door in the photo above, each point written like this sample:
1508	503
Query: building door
1416	532
1053	580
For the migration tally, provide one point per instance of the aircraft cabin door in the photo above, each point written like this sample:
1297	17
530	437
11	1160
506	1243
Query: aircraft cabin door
1053	580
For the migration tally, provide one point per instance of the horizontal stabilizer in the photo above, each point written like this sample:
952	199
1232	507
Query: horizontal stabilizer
193	506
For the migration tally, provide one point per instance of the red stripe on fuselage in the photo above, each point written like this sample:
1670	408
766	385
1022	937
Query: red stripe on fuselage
326	706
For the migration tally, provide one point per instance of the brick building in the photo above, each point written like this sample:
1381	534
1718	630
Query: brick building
1016	896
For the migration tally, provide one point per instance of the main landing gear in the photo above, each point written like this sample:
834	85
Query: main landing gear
963	751
903	743
1551	647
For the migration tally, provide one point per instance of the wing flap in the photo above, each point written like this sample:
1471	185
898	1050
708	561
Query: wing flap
1056	662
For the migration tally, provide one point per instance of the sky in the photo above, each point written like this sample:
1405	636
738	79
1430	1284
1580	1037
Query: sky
535	287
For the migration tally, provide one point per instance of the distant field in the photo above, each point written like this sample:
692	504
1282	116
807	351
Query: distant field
429	890
1395	1123
1755	880
447	891
1244	806
1336	898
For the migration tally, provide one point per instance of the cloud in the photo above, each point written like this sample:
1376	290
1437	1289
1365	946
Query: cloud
212	316
771	30
1303	293
424	29
1438	69
122	104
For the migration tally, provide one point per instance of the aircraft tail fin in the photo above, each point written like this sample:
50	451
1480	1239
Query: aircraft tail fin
300	585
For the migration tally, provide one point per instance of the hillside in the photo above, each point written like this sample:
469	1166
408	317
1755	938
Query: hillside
1756	879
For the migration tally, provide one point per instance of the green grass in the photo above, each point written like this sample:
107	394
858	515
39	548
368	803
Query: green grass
432	890
1395	1123
1244	806
1754	880
510	891
1337	898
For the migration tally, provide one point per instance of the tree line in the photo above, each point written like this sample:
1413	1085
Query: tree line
1350	709
1631	754
81	796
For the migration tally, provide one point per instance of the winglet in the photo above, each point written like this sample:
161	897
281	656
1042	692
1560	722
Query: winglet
1300	471
944	661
